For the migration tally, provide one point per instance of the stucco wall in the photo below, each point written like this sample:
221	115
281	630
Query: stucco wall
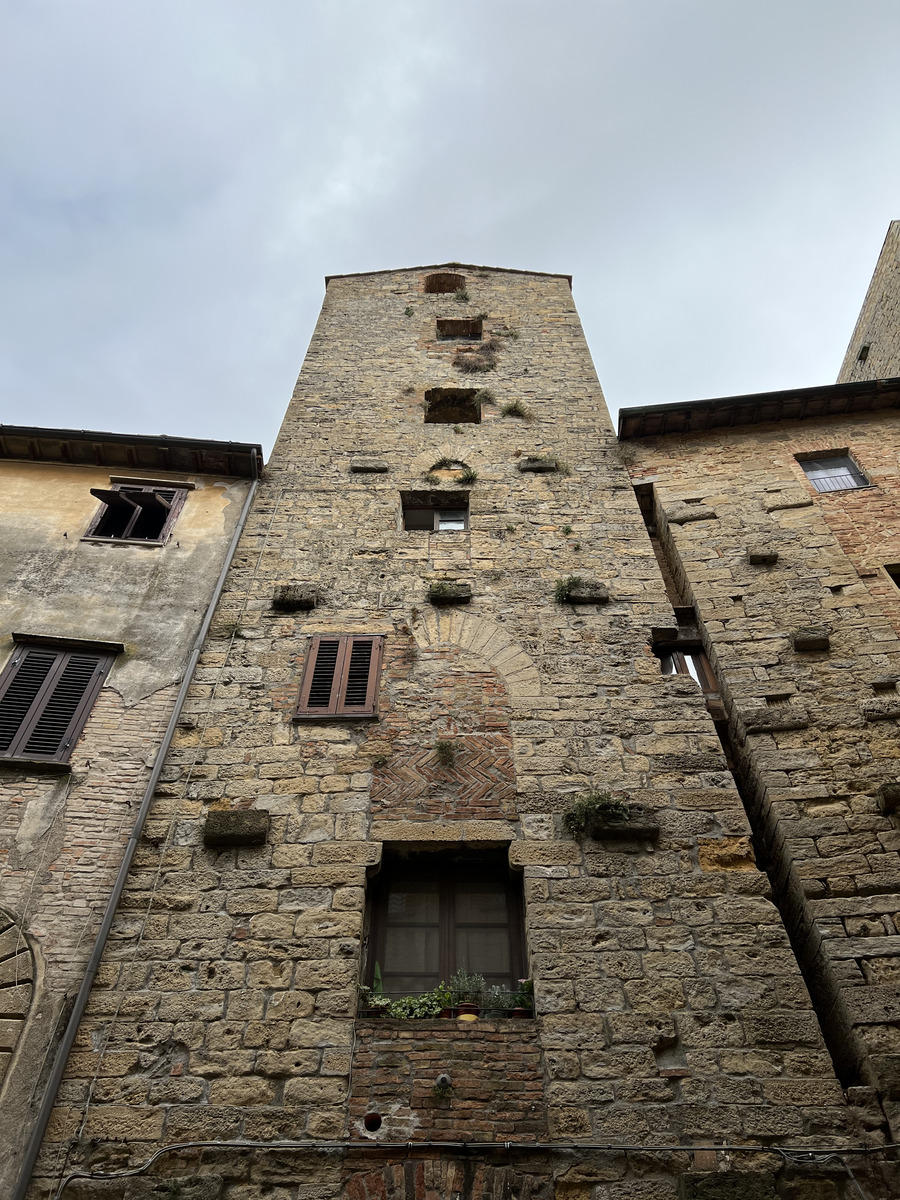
62	835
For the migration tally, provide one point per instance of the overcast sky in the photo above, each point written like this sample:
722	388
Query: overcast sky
179	175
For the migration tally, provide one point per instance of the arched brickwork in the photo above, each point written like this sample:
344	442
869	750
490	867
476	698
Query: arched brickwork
487	639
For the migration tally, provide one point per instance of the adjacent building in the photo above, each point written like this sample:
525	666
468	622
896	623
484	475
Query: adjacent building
111	551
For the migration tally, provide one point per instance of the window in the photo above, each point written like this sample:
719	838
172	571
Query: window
893	572
136	513
446	512
452	406
46	695
444	281
435	914
340	677
833	474
459	330
687	660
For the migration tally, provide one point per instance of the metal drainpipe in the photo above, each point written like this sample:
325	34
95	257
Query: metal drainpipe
65	1046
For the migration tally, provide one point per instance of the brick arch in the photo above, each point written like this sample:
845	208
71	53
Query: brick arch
17	979
487	640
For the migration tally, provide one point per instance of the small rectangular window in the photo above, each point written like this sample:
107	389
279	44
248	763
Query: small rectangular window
894	574
135	513
459	329
452	406
340	677
46	696
439	514
833	474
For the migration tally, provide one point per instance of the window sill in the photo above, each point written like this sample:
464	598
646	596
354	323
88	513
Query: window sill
452	1025
36	766
102	541
302	718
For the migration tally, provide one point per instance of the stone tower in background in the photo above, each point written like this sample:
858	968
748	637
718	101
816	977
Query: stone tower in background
445	632
874	350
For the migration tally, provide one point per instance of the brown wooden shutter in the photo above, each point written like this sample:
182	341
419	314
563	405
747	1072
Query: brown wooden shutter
46	696
340	677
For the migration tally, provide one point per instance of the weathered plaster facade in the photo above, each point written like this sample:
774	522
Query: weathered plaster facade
670	1010
63	827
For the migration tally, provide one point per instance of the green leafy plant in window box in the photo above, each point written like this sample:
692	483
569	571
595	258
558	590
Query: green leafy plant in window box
468	991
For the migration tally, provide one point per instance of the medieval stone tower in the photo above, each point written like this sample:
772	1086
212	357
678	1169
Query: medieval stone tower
441	637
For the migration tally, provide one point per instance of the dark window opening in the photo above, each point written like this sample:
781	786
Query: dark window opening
444	281
340	677
46	696
863	354
452	406
835	473
894	574
439	512
462	330
434	914
135	514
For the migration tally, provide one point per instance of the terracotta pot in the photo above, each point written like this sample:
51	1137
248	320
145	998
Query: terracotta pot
447	1013
467	1011
521	1012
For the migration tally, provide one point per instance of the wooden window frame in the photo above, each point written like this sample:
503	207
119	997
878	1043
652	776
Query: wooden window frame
175	506
336	706
436	514
48	690
679	653
447	871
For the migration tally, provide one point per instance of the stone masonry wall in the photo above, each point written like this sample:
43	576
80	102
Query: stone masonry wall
815	731
670	1009
878	326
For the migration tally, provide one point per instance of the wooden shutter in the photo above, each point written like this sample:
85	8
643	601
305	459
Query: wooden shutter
340	677
45	698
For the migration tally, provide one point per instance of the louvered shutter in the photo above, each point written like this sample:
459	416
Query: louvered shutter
340	677
45	698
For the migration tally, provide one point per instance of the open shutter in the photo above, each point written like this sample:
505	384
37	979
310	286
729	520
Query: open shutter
340	677
45	698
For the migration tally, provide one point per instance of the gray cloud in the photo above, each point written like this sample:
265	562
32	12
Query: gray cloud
178	179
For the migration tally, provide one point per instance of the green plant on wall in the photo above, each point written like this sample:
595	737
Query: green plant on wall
565	586
594	809
446	753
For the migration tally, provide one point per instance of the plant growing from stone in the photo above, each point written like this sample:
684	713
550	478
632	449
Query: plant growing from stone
446	753
592	809
565	586
515	408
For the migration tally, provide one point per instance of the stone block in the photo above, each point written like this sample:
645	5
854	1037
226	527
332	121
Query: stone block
727	1185
368	466
682	513
811	638
235	827
759	557
888	797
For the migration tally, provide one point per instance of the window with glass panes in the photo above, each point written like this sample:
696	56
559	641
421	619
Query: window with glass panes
836	473
432	916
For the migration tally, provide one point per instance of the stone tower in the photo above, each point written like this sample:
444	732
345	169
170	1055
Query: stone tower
432	730
874	350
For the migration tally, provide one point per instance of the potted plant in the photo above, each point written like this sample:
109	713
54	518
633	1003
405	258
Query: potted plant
496	1002
467	990
443	994
523	999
